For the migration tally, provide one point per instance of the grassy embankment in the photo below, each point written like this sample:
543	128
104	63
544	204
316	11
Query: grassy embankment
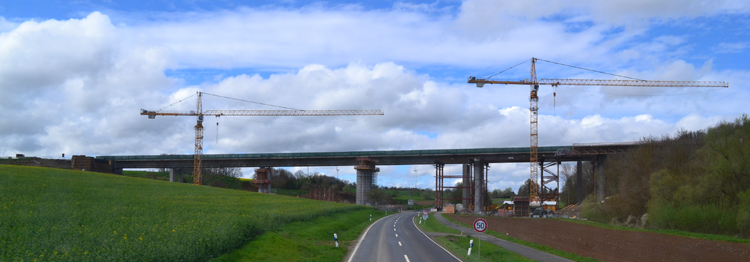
459	245
536	246
55	214
310	240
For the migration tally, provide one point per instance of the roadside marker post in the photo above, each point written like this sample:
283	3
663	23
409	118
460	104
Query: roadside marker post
336	239
370	217
480	225
471	244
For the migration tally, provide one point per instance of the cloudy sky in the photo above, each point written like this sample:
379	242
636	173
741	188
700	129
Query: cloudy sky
74	74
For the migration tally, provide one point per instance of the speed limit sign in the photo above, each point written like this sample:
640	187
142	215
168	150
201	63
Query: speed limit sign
480	225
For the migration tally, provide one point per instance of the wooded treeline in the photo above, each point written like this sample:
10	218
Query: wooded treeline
694	180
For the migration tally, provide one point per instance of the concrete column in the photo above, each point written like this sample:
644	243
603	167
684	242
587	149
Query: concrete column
466	192
364	185
171	175
365	171
579	182
478	184
263	179
179	175
601	182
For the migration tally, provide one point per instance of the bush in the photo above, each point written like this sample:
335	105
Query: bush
594	211
710	219
743	214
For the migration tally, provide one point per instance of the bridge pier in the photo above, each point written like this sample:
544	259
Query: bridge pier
466	191
579	182
365	172
478	185
263	179
600	181
175	175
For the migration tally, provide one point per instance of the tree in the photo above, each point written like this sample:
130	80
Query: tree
379	197
523	190
428	194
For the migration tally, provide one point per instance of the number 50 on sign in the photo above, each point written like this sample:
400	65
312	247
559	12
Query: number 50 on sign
480	225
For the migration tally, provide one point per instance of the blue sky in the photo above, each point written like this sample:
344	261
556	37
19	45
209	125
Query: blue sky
73	74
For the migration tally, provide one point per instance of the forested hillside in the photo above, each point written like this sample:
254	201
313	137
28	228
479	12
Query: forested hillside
695	180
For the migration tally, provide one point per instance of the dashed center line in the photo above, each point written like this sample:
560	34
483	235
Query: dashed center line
394	229
407	258
396	235
399	243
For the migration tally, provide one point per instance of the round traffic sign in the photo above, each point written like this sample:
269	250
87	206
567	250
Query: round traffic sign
480	225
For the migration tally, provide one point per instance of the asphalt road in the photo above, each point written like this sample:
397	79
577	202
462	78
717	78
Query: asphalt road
396	238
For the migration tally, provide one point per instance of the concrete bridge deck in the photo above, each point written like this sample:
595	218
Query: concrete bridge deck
474	160
576	152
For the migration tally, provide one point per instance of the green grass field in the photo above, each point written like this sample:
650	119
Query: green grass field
54	214
459	245
310	240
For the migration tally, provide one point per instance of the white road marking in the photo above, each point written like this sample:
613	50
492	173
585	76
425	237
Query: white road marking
399	243
362	238
394	229
396	235
407	258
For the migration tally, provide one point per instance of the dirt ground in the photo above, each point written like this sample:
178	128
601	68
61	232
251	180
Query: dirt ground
613	245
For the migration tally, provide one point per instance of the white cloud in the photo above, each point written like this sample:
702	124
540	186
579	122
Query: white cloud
76	86
730	48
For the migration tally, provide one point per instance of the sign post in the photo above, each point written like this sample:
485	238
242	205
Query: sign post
336	239
480	225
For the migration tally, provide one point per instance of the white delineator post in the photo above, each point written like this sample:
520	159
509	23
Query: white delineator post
336	239
370	217
471	244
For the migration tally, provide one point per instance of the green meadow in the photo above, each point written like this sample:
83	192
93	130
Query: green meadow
55	214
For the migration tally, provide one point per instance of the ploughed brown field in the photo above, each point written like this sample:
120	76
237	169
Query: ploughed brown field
613	245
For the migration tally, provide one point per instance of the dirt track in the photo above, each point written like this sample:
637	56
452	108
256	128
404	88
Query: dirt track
613	245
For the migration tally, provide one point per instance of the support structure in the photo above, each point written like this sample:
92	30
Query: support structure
478	185
175	175
579	182
466	190
600	182
365	171
198	157
263	179
327	194
549	177
439	186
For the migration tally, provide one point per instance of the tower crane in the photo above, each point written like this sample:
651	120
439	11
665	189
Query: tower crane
198	157
534	107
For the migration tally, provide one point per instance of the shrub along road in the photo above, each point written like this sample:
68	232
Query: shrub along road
611	244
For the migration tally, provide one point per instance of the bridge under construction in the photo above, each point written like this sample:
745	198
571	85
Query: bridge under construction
475	162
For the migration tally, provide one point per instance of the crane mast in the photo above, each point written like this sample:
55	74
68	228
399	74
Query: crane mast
199	113
534	130
534	107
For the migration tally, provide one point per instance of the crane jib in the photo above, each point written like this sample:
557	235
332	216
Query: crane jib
602	82
267	113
